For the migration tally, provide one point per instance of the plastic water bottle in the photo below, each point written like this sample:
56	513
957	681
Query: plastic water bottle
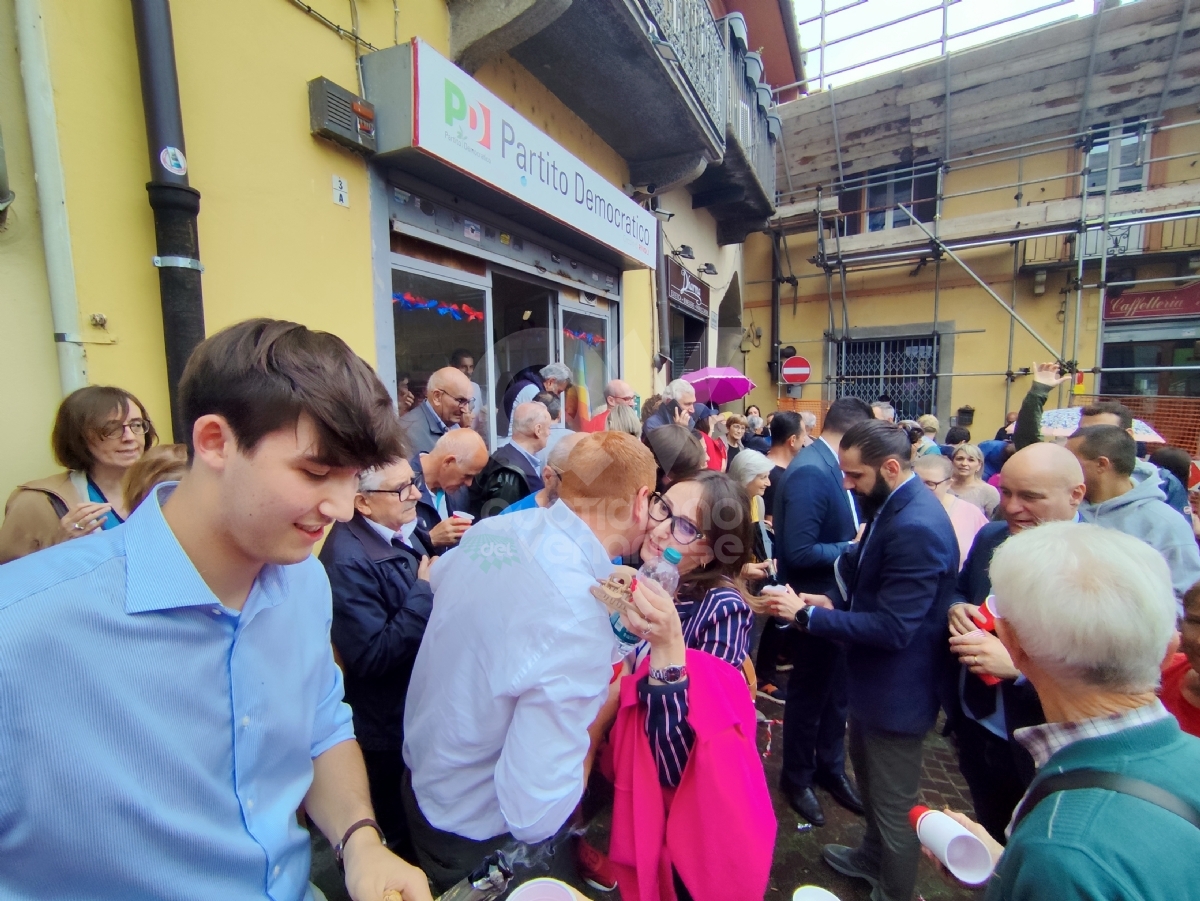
664	570
626	640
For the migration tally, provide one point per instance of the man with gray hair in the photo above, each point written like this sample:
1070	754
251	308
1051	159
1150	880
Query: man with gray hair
552	473
513	472
683	393
554	378
1087	615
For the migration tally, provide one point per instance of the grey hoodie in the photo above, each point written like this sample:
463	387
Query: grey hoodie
1143	514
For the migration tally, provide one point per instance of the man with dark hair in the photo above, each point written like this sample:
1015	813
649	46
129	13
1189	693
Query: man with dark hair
957	435
889	606
815	520
787	438
448	397
464	361
513	472
1121	498
1028	429
187	653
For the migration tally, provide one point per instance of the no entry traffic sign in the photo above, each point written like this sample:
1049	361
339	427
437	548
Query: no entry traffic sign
795	371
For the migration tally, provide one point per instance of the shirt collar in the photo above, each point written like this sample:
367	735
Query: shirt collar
435	422
533	461
565	519
161	576
384	531
1046	740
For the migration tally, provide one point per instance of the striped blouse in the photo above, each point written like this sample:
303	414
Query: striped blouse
719	624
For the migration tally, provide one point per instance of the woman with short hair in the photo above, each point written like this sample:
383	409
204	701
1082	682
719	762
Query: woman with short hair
622	419
735	431
99	432
966	482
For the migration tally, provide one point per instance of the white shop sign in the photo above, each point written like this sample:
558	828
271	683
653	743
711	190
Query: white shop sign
460	122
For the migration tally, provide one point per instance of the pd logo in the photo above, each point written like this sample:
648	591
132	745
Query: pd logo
475	119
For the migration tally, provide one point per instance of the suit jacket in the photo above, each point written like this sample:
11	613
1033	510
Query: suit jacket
899	583
380	609
813	520
1021	705
507	477
422	428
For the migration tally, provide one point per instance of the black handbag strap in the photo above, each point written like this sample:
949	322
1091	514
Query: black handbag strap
1114	782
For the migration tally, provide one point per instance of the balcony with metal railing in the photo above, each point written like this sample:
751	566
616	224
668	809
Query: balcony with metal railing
648	77
740	192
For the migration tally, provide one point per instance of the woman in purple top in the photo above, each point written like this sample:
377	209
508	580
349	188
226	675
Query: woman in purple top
707	519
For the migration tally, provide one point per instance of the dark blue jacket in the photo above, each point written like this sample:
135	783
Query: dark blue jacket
899	586
507	478
813	521
427	512
380	609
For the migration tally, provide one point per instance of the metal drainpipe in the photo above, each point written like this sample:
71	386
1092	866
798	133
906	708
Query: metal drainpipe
664	312
6	194
51	194
776	275
175	203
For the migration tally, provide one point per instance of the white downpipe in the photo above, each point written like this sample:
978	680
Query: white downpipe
52	194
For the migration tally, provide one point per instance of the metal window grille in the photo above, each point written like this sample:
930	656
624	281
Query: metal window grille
904	369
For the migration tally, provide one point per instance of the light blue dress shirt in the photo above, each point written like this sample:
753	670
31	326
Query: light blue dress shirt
153	743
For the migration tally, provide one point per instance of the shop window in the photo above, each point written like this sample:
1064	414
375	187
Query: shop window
522	333
1154	353
687	343
1128	167
585	343
878	195
432	318
903	369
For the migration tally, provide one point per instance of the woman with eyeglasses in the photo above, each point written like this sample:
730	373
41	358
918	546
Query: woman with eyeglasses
99	433
687	709
967	518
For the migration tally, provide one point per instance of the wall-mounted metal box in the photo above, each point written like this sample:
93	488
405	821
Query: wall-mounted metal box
341	116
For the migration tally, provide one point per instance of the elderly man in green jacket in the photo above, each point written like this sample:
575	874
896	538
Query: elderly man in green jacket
1088	616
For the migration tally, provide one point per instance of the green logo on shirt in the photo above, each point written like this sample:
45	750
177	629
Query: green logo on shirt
491	551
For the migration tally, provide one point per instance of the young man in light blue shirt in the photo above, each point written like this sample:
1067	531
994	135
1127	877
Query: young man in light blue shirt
168	696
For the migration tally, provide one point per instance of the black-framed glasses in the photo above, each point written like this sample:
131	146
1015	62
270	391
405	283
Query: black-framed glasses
399	490
466	403
114	428
683	530
934	485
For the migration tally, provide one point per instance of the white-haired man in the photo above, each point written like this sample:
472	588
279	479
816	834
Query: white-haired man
1087	615
683	393
527	384
552	472
513	472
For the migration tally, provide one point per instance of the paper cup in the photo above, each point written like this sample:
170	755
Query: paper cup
542	890
961	852
989	621
813	893
459	514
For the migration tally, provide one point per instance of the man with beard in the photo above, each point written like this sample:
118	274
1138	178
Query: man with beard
894	589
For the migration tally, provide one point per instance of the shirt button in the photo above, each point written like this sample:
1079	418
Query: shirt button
245	721
249	803
216	611
276	870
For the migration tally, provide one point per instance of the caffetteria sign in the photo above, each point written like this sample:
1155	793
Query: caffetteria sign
462	123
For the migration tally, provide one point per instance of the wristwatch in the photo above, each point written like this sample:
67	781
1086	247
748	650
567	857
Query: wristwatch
802	617
669	675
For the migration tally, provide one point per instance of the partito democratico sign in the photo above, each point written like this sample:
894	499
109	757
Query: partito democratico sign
465	125
1183	301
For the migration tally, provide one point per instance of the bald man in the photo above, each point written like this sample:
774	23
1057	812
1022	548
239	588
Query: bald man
514	471
444	475
1041	483
617	393
448	398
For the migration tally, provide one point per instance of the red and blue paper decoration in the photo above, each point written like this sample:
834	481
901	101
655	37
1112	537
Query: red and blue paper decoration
591	340
455	311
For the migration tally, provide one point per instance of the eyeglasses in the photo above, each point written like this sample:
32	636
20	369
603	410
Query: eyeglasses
934	485
399	490
623	400
466	403
682	530
114	428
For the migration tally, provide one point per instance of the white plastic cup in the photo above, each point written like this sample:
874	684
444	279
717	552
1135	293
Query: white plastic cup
543	889
461	514
813	893
960	851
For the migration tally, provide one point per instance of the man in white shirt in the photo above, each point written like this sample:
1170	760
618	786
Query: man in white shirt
515	665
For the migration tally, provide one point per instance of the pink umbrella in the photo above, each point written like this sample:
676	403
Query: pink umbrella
719	384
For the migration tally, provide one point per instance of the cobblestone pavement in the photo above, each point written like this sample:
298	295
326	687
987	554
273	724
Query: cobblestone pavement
797	854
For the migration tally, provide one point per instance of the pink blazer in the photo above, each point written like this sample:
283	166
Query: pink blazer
717	828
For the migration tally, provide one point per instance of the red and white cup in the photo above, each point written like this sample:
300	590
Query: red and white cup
988	625
462	514
960	851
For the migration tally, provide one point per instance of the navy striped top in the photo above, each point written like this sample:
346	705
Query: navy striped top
719	624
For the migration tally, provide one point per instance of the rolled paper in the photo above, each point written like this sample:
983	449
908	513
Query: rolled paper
960	851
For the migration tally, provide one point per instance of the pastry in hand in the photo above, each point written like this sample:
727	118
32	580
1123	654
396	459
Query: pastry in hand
615	591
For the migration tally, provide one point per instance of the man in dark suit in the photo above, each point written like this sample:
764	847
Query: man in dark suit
449	399
1042	483
443	477
889	605
514	471
815	521
378	568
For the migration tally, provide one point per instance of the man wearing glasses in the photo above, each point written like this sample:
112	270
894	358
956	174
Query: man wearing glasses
448	399
617	393
378	568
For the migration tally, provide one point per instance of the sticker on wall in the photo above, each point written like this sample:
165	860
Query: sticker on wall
505	238
401	196
341	191
173	160
472	230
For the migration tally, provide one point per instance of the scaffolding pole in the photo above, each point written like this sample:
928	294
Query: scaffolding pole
986	287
